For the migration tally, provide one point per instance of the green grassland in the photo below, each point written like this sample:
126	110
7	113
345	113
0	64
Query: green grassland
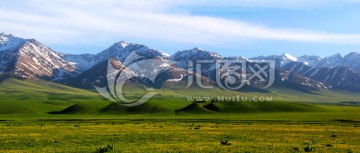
176	136
41	98
40	116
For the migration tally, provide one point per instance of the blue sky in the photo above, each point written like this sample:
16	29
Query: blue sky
232	28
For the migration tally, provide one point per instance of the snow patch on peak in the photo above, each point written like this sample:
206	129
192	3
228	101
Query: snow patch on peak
123	44
164	54
8	41
290	57
120	45
309	60
281	60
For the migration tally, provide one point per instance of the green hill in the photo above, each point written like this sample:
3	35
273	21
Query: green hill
42	98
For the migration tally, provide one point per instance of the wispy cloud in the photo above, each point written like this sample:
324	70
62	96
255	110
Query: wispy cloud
283	4
84	21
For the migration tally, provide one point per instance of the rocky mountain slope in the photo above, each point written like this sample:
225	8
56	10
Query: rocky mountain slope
28	58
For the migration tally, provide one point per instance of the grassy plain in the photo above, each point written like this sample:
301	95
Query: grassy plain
39	116
177	136
335	130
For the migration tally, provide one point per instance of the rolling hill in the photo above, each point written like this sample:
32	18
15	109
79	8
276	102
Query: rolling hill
35	97
41	97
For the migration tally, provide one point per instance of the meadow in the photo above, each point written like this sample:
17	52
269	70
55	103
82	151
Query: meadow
40	116
335	130
177	136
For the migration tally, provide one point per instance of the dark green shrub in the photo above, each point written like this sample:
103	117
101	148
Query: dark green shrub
105	149
198	127
309	149
296	148
329	145
225	142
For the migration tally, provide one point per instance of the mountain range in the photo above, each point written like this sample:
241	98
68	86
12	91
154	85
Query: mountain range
30	59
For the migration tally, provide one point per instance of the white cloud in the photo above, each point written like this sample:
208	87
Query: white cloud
283	4
81	21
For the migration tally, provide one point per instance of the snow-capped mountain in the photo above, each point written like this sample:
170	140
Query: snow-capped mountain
285	58
280	60
335	77
294	80
331	61
208	70
119	51
93	67
28	58
81	62
195	54
309	60
351	61
8	42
